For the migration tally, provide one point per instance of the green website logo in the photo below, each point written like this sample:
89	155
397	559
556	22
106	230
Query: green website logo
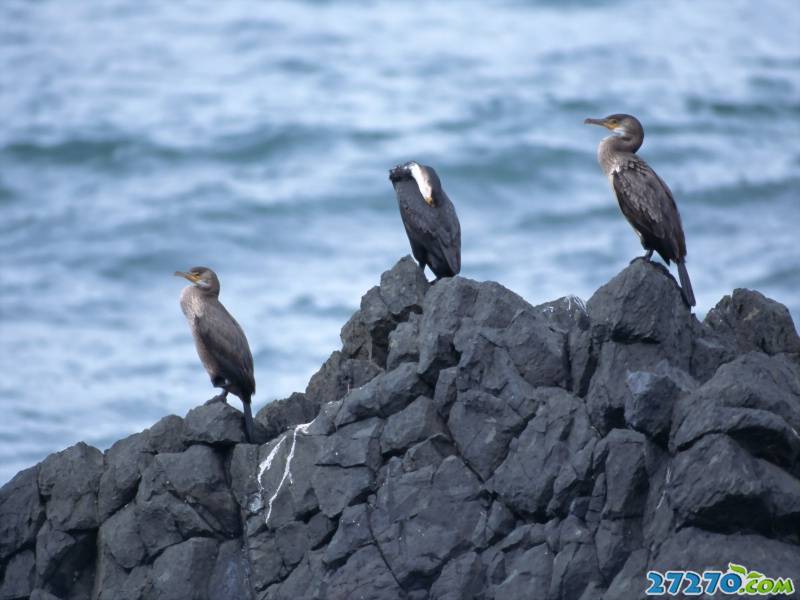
737	580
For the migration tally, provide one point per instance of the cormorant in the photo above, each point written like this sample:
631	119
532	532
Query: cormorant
220	341
644	198
429	218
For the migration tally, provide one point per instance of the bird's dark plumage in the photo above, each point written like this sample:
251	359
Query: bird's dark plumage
647	203
429	218
220	341
644	198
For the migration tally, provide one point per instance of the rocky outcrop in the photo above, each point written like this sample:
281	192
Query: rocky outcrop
461	444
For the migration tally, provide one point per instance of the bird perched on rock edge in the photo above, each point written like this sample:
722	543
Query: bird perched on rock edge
429	218
644	198
220	341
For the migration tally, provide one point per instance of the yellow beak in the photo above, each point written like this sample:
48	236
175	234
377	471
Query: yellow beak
189	276
601	122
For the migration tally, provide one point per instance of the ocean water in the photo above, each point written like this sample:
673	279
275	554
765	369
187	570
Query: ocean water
140	137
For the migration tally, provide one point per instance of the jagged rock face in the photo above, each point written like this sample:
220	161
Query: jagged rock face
462	444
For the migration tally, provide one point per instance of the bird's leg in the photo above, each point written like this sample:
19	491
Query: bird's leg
223	397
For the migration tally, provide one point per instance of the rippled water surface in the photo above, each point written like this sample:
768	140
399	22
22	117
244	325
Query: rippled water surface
140	137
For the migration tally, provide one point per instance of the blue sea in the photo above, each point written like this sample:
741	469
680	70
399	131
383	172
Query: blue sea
139	137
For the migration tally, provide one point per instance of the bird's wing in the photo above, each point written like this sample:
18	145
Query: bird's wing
450	234
435	227
225	340
647	203
416	213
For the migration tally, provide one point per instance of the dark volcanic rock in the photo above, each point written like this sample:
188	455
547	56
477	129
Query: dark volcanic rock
461	579
338	487
461	444
755	400
124	463
527	571
18	577
640	329
21	512
333	381
186	492
652	398
353	533
285	478
551	460
445	306
229	579
641	304
366	334
565	314
754	322
422	517
353	445
119	535
69	480
166	435
183	571
61	557
403	343
716	484
215	423
623	453
482	426
415	423
383	396
364	575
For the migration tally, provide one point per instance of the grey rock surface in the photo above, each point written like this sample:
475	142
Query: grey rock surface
461	444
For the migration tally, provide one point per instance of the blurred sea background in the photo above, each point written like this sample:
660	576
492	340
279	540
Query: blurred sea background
140	137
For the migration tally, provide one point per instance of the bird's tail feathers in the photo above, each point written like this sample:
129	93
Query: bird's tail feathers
248	420
686	284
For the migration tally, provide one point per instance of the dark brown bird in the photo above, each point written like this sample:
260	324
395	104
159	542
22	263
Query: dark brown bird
220	341
644	198
429	218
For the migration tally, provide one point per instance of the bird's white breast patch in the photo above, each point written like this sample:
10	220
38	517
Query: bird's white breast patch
423	183
190	303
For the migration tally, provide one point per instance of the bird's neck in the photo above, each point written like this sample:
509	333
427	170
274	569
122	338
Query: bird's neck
615	149
629	142
201	293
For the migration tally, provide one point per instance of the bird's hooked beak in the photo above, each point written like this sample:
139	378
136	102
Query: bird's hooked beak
189	276
601	122
613	125
397	173
419	175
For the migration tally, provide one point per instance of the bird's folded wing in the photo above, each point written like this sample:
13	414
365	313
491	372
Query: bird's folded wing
228	344
450	233
647	203
437	227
